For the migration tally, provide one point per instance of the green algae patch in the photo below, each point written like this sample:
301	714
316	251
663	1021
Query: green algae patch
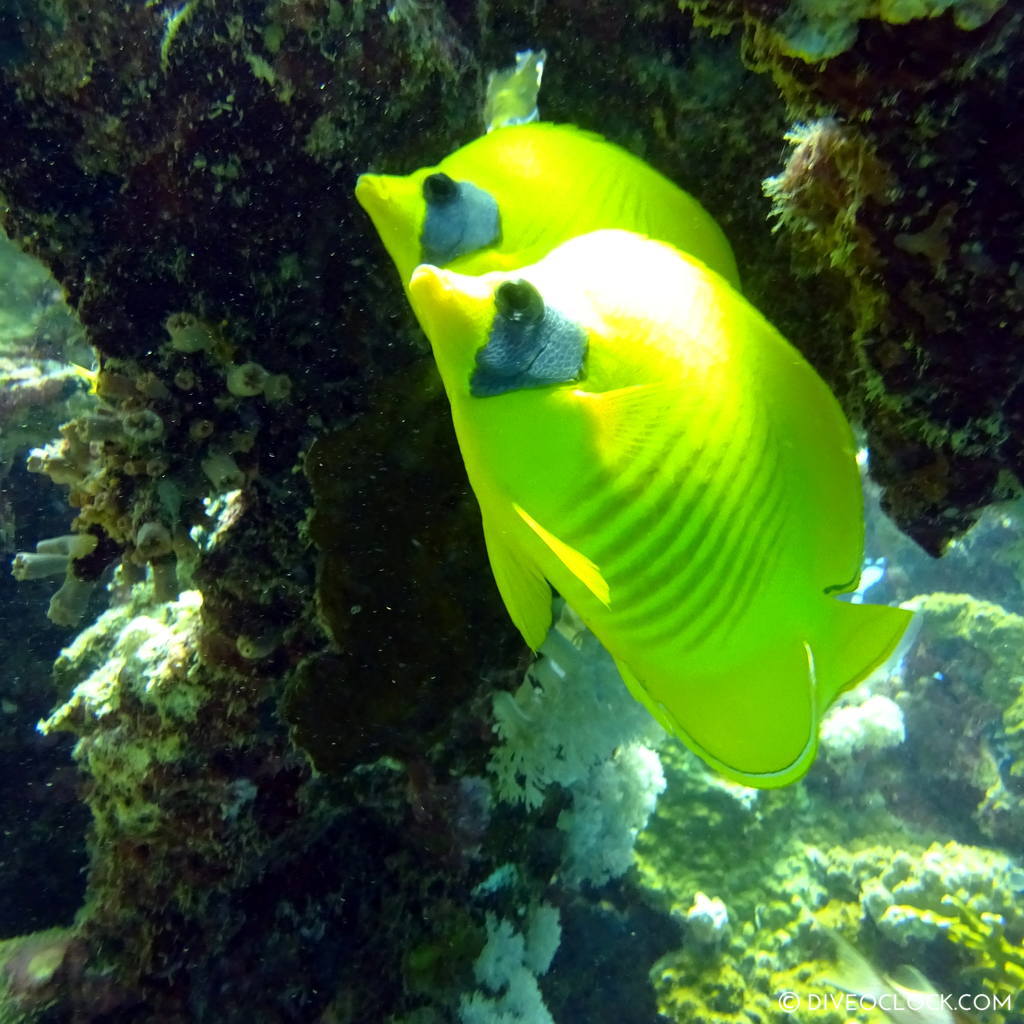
33	974
967	683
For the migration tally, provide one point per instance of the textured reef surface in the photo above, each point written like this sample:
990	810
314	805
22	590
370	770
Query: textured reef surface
321	782
904	177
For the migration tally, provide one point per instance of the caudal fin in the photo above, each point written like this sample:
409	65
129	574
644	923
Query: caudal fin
757	723
861	638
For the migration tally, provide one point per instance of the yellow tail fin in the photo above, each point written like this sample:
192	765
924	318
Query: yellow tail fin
862	637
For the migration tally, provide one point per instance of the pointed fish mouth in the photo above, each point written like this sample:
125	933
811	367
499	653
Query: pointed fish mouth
371	191
391	204
376	195
431	294
454	312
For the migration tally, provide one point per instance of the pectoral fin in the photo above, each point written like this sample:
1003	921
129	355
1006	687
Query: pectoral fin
628	419
524	590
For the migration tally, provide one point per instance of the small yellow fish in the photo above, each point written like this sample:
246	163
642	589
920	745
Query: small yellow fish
90	378
641	439
508	198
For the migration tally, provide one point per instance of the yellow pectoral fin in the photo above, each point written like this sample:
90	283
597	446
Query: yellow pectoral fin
524	590
578	564
626	420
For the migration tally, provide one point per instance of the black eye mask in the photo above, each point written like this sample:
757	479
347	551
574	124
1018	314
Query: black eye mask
461	219
530	345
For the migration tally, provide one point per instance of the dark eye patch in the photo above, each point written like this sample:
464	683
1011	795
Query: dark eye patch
461	219
519	301
530	345
440	189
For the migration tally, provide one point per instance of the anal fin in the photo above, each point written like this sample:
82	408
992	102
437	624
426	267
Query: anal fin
755	723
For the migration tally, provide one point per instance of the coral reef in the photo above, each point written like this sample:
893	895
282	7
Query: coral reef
963	683
789	870
507	970
863	848
901	180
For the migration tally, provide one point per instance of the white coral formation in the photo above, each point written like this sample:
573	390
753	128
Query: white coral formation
707	921
571	713
507	971
609	808
573	723
854	730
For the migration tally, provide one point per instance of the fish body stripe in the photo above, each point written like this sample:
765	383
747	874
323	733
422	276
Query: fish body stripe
696	616
742	599
694	540
683	562
650	498
597	505
683	604
650	517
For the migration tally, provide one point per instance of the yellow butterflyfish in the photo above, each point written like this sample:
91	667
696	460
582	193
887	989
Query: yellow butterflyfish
642	440
508	198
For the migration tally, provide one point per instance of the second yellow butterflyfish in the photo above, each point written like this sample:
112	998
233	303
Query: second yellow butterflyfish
642	440
508	198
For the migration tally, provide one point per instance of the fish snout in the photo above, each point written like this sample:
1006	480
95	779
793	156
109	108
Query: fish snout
395	206
449	294
373	193
455	312
433	296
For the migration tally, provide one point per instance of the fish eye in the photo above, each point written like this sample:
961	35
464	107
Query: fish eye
439	188
519	302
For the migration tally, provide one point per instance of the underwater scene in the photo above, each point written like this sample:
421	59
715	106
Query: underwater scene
512	512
